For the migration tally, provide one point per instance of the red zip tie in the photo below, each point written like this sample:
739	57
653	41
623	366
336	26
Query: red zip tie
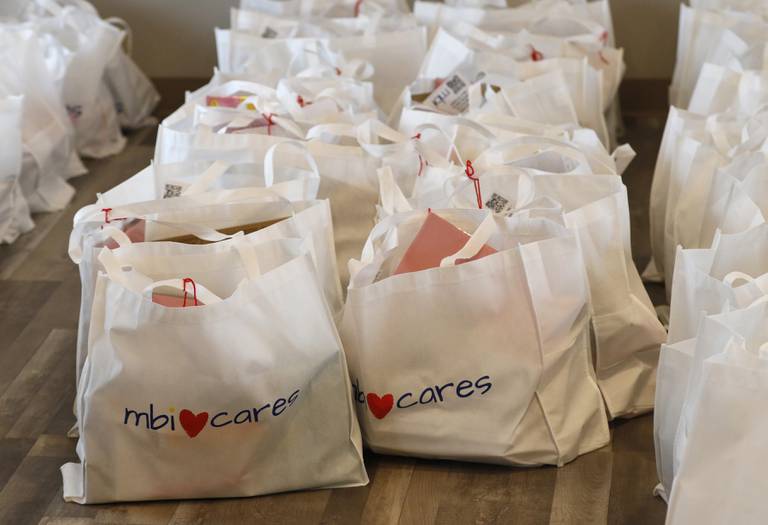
536	54
300	101
470	172
358	3
194	290
107	220
338	71
417	136
270	122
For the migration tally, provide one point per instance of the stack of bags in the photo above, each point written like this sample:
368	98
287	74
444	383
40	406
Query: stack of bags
458	194
66	89
708	208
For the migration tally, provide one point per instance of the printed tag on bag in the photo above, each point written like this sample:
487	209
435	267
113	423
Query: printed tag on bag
172	190
497	203
269	33
452	95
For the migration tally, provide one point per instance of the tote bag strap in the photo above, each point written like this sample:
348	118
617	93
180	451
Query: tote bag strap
392	198
475	243
213	173
140	283
269	160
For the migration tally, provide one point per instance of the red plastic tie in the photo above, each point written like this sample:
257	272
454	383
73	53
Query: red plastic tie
470	172
338	71
300	101
270	122
107	220
417	136
194	290
358	3
536	54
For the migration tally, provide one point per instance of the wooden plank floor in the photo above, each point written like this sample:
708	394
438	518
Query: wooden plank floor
39	298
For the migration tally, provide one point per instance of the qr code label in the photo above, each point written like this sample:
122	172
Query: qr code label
451	96
497	203
456	84
172	190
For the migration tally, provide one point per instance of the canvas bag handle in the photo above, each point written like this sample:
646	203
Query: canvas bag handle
142	284
269	160
475	243
392	198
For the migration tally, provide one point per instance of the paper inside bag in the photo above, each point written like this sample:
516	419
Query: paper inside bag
435	240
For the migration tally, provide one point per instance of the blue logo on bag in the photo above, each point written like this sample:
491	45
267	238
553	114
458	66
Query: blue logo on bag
380	406
193	423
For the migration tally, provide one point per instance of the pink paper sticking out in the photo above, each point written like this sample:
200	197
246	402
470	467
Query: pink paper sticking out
436	240
232	101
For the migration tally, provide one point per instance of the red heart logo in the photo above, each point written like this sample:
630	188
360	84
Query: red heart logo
193	423
380	406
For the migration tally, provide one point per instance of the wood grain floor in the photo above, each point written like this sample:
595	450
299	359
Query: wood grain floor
39	298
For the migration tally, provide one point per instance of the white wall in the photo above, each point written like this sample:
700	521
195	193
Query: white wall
647	30
174	38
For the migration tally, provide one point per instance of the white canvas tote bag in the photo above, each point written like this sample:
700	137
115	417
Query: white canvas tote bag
14	211
396	57
743	176
91	43
517	388
199	217
47	134
134	94
684	134
720	89
671	386
720	473
706	282
222	410
627	331
730	274
328	8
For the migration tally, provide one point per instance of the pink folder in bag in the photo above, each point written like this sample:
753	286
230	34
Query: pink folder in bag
436	240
